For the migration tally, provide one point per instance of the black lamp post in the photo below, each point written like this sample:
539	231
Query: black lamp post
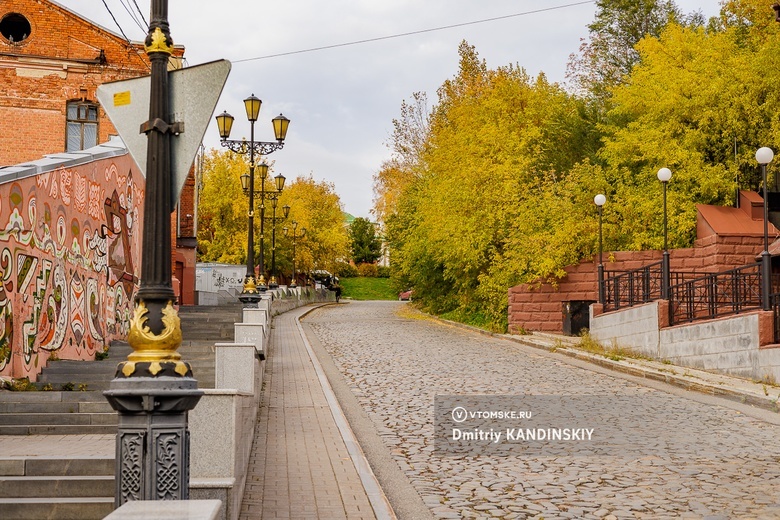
153	390
664	175
295	236
764	156
600	200
273	284
249	294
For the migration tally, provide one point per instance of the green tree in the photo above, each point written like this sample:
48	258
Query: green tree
364	242
410	137
610	52
222	215
496	137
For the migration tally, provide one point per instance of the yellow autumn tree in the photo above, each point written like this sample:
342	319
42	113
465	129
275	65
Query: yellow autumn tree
316	207
222	209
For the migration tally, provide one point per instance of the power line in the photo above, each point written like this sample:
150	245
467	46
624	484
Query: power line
132	14
141	13
412	33
123	34
114	18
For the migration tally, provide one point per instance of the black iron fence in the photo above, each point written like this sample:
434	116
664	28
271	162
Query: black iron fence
638	286
774	300
693	296
629	288
716	294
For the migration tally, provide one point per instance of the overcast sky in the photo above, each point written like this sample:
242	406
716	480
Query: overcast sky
342	101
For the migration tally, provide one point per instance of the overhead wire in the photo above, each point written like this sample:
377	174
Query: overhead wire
115	21
123	34
143	18
412	33
132	14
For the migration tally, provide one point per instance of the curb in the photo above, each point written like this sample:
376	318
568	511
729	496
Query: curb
376	496
757	400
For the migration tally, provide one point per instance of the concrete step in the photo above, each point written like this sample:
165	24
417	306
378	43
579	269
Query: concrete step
80	508
37	419
56	486
51	397
57	429
56	466
58	407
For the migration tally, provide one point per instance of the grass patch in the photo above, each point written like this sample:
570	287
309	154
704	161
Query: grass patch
410	312
365	288
614	352
474	319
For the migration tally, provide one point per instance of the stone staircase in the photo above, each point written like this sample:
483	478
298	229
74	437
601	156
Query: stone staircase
64	488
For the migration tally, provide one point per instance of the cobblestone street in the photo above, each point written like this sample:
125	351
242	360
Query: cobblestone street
692	457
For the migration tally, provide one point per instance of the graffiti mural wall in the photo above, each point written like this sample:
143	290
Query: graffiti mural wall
70	240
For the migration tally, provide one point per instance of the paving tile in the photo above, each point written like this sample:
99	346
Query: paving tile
299	466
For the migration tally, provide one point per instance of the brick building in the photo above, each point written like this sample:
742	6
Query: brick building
726	238
51	62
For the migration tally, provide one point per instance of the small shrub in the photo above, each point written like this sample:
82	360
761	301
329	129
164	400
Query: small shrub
100	355
368	270
47	387
382	271
22	385
5	352
346	270
53	356
83	387
68	387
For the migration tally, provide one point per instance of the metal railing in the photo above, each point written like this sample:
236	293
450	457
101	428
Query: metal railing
693	296
629	288
774	301
638	286
716	294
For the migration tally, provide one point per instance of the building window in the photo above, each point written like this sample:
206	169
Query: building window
82	126
15	28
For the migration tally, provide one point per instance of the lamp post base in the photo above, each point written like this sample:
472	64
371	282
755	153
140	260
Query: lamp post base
273	284
250	295
152	443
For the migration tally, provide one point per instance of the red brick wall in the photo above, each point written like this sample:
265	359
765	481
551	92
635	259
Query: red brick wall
186	207
57	63
539	307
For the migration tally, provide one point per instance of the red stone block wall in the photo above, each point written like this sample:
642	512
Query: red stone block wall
540	308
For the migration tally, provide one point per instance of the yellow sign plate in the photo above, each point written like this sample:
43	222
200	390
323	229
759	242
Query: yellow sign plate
122	98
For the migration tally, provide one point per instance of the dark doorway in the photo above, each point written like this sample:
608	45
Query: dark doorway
576	316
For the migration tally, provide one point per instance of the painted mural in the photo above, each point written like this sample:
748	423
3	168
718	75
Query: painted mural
69	262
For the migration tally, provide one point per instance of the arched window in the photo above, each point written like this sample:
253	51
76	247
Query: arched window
82	131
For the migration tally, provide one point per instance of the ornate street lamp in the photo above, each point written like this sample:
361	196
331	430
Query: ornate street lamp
154	389
295	236
764	156
250	295
273	220
600	200
664	175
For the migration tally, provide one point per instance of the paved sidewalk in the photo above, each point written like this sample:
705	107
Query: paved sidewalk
301	466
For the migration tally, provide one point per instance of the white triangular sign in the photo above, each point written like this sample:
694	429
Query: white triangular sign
193	96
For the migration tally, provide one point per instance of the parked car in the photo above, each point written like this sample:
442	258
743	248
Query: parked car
405	296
